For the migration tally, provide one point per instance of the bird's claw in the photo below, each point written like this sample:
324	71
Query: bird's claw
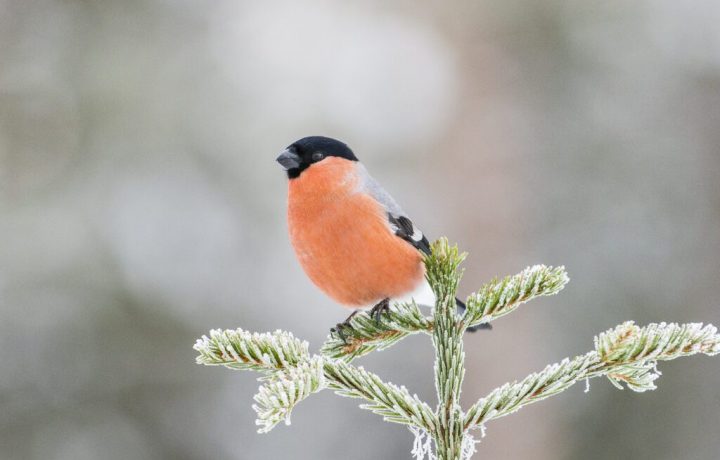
382	307
340	328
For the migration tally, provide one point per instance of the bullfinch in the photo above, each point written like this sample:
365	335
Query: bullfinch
350	236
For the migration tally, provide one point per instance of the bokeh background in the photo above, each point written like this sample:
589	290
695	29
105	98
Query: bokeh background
140	206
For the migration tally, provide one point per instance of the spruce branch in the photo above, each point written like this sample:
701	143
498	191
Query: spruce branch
393	403
239	349
628	342
500	297
443	275
290	374
368	335
626	354
495	299
277	397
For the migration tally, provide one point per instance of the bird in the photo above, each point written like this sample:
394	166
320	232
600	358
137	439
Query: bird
351	237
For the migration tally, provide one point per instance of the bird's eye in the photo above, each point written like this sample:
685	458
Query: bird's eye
317	156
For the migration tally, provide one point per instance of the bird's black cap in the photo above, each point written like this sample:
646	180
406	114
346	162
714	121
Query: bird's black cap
303	153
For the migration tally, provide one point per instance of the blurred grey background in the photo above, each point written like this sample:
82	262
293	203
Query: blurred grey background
140	206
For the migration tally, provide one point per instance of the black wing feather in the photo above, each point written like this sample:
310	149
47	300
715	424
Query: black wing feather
405	229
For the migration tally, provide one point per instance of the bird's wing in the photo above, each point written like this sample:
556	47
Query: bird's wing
405	229
399	223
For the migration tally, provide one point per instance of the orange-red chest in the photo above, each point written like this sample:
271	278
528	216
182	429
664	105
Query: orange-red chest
342	238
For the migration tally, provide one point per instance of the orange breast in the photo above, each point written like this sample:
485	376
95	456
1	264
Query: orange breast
342	239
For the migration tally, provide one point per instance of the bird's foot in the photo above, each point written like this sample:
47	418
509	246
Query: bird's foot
341	328
382	307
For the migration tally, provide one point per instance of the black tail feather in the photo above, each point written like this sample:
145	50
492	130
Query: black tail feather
461	309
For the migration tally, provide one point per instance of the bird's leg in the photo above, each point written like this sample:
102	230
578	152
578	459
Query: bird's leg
341	327
382	307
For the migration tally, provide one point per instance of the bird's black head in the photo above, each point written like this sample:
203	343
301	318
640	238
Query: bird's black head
307	151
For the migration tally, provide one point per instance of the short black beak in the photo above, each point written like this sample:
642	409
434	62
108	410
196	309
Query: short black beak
288	160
